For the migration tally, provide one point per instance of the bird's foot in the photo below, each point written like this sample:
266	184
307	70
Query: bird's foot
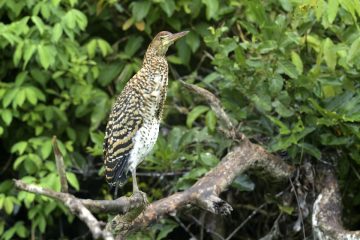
142	196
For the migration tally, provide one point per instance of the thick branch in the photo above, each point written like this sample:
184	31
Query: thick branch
326	218
204	193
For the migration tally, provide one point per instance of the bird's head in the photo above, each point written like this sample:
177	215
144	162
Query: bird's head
163	40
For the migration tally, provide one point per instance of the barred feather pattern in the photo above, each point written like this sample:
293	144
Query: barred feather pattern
134	120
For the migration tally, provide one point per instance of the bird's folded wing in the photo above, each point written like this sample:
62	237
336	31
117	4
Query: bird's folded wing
124	121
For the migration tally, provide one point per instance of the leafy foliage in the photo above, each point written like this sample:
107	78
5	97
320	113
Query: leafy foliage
287	70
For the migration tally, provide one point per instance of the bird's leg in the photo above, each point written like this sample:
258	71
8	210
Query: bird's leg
136	190
116	190
135	186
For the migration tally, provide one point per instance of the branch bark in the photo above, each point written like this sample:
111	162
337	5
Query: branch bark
326	217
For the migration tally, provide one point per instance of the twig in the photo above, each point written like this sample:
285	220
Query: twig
60	166
274	232
299	208
245	221
215	105
184	227
207	229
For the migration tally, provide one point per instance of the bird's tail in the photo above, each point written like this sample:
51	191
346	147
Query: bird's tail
116	171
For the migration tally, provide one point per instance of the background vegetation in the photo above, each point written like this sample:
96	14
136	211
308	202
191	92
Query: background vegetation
286	71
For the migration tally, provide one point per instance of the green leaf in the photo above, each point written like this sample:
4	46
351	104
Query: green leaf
21	231
18	161
243	183
91	48
57	33
132	45
46	55
262	103
319	9
349	6
19	147
71	177
140	9
193	41
311	149
20	98
18	53
8	205
81	19
104	46
46	149
31	95
208	159
354	50
284	130
332	9
99	114
70	19
39	24
28	53
296	60
212	8
276	84
9	96
20	78
330	53
286	209
165	228
282	110
210	120
288	68
195	113
42	223
168	6
7	116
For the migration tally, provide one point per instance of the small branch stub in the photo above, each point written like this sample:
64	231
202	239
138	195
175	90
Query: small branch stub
60	166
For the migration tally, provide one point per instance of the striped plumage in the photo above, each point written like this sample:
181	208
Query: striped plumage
134	120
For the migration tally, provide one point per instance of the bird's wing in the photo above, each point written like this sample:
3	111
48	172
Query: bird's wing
124	121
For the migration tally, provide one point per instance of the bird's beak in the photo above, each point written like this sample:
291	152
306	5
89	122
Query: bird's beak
172	38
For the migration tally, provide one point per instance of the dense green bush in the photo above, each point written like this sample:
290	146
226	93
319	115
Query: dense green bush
287	70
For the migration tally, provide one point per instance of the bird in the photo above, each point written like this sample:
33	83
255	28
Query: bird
133	124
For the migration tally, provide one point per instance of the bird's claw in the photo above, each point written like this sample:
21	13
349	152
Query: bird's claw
141	195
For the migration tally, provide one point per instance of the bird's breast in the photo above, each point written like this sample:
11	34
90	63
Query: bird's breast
144	142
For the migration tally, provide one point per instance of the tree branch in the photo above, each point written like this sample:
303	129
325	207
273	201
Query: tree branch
75	205
326	217
215	105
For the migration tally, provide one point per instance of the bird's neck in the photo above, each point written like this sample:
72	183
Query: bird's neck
154	62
